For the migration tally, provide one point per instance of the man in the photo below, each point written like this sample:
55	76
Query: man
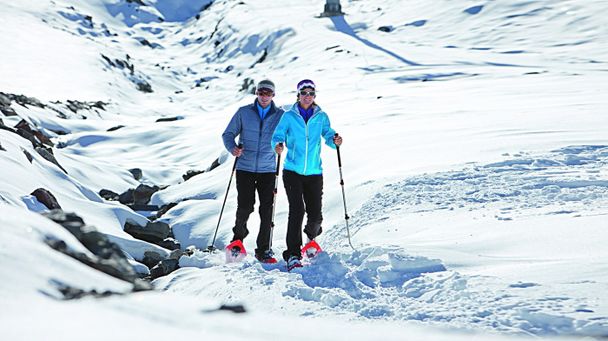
256	165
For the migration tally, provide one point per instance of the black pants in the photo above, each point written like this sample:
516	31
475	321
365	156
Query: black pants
246	185
304	194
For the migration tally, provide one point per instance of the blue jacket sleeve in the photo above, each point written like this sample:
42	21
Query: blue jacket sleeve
280	132
232	131
328	133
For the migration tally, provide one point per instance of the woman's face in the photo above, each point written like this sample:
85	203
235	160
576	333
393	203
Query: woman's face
307	97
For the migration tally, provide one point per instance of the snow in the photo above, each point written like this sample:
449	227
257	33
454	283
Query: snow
474	159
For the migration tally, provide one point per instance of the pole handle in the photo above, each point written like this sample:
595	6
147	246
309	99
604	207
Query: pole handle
278	163
338	150
239	146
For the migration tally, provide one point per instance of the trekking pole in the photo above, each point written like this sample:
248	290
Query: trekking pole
274	198
211	247
346	217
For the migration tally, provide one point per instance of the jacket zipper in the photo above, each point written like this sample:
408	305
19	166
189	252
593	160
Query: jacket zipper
306	147
306	158
257	156
306	150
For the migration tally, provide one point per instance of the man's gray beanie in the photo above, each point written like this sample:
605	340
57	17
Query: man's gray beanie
266	84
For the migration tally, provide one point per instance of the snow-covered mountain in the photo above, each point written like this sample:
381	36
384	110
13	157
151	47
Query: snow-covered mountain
475	165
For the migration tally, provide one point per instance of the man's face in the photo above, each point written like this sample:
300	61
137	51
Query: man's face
265	97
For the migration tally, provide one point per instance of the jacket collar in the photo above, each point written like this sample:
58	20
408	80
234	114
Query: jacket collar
272	110
294	109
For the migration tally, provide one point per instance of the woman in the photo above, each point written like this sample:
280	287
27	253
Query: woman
301	129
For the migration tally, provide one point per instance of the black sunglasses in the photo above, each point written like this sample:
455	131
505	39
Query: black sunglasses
307	93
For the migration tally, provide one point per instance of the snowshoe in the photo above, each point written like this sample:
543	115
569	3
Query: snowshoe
266	257
293	262
311	249
235	251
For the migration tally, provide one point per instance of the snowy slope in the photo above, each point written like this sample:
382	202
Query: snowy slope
475	165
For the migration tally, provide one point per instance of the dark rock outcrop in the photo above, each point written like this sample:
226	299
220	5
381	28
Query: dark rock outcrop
214	165
4	127
36	137
22	100
69	292
107	256
164	268
137	173
143	193
27	154
116	128
46	198
108	195
47	154
154	232
169	119
143	207
189	174
164	209
144	86
5	108
170	244
235	308
151	258
126	197
74	106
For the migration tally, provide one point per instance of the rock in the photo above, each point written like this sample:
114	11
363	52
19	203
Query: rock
248	86
4	99
151	258
143	207
108	257
2	148
144	86
190	250
46	198
214	164
7	110
47	155
164	209
28	156
25	101
171	244
115	128
169	119
72	293
24	130
126	197
235	308
136	172
154	232
163	268
189	174
386	28
143	193
108	195
176	254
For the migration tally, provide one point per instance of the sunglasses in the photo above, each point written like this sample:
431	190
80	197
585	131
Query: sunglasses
265	93
307	93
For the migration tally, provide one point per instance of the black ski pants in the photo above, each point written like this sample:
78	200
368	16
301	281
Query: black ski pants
247	183
304	193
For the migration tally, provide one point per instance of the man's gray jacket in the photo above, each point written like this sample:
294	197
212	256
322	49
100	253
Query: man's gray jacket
254	133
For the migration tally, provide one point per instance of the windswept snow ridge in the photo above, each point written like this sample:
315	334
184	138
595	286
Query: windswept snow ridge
572	180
